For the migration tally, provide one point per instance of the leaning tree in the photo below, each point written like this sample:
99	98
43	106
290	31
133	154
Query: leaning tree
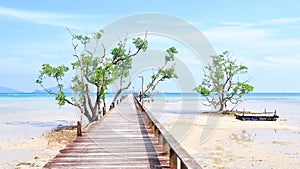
165	72
93	71
222	84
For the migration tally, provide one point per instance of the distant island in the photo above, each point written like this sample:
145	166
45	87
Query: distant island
7	90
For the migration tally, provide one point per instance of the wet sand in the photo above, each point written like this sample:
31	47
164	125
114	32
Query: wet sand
225	142
240	144
34	152
214	141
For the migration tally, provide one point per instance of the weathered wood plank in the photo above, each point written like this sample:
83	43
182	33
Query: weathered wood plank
119	140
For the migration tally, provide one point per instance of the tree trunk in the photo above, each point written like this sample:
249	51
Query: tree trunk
95	116
222	106
88	116
104	106
120	91
222	102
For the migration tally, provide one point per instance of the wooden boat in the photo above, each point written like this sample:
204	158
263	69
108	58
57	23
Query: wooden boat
266	116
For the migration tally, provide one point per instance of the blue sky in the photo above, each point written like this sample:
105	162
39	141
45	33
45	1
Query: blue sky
262	34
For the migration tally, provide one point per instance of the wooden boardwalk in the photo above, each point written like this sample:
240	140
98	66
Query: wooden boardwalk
119	140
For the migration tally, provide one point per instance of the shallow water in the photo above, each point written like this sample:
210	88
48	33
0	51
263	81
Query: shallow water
26	116
287	105
22	118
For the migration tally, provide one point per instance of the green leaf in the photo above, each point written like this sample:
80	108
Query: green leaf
202	90
140	43
222	78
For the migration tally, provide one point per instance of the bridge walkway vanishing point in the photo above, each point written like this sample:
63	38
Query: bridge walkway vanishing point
119	140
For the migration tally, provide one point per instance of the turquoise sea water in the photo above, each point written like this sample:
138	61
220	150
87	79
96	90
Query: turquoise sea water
250	96
25	116
287	105
166	95
30	115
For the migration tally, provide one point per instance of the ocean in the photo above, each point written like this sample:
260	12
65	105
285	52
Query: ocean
24	116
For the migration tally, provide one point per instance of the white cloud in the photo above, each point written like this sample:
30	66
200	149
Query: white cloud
234	33
254	40
31	14
226	23
280	21
283	62
263	47
47	18
269	63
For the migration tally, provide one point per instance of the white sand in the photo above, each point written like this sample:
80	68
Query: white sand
34	152
215	142
238	144
225	142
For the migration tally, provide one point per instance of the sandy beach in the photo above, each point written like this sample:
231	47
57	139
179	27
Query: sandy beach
225	142
34	152
214	141
240	144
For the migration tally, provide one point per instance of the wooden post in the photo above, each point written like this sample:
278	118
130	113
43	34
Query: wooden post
160	138
156	132
79	128
154	129
173	159
104	110
150	125
166	147
182	165
112	105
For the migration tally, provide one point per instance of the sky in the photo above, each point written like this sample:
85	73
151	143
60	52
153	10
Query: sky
262	34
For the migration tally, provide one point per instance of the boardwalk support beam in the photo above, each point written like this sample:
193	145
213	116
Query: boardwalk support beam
79	128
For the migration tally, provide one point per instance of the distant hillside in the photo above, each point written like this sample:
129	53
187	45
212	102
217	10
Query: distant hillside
54	89
9	90
6	90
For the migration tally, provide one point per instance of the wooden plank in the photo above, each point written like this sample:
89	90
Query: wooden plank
119	140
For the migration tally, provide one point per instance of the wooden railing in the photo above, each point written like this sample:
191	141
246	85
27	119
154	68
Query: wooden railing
171	146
